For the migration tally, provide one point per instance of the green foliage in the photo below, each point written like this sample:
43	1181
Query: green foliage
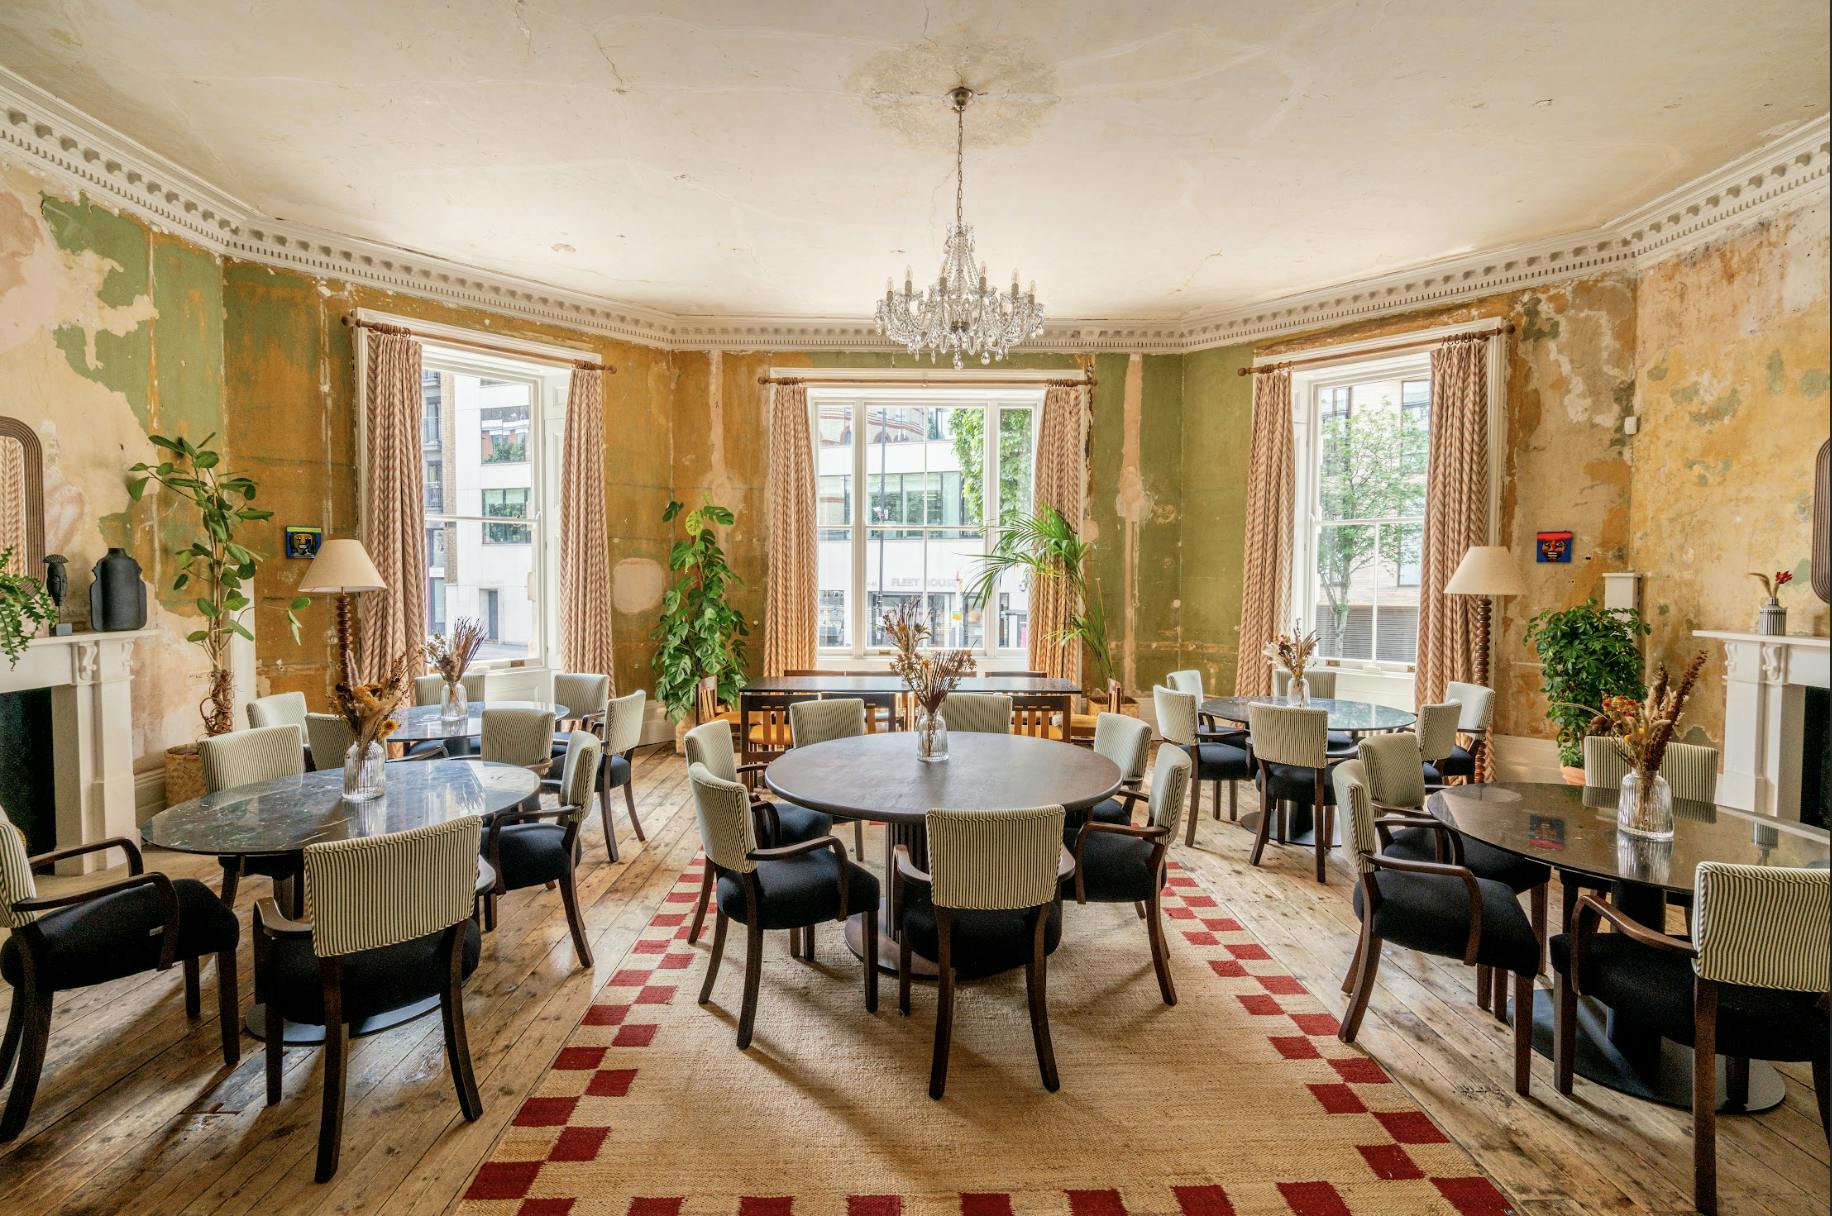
508	451
24	606
1044	545
700	634
967	432
1586	653
215	568
1372	466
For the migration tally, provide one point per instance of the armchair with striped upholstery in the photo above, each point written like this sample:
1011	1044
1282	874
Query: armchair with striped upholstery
531	848
249	757
1291	748
832	718
977	713
1218	756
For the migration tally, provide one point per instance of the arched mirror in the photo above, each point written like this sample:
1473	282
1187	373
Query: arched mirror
22	498
1822	524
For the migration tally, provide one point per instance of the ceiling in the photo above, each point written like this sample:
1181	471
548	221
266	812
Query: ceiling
780	157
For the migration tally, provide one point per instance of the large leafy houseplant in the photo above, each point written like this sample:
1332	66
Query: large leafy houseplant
700	633
1044	545
1587	653
216	568
24	606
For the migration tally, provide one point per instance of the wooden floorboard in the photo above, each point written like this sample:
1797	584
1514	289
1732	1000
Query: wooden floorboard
136	1113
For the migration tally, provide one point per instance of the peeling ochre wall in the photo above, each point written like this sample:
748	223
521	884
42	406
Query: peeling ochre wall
1217	443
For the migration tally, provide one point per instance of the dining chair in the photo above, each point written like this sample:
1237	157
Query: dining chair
522	736
1038	715
1752	984
794	887
1322	685
1478	716
990	902
1217	755
1119	863
820	721
391	925
1082	726
249	757
1436	732
706	705
1188	680
426	689
55	943
977	713
1396	783
1691	772
1126	741
532	848
1291	749
763	722
775	823
281	709
1434	907
586	696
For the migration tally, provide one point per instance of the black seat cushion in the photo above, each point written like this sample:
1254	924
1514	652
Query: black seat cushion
1223	762
1653	987
795	824
1291	783
615	770
798	891
1112	810
1430	913
1115	869
533	854
374	981
116	935
1512	871
273	865
982	942
1460	763
1341	743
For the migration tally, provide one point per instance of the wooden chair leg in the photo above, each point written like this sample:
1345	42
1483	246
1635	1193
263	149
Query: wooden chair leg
629	802
808	943
575	921
869	923
1537	900
228	1008
15	1026
1523	1033
1215	802
276	1053
707	878
753	976
330	1119
1736	1082
1564	1034
1364	987
457	1046
903	973
1233	802
944	1004
232	876
1036	985
1348	979
1704	1096
1320	826
1264	830
1498	997
1160	950
34	1035
720	920
1484	981
1822	1090
858	838
604	817
193	991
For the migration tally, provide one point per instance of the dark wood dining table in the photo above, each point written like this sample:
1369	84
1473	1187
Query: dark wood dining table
1043	703
879	778
1573	829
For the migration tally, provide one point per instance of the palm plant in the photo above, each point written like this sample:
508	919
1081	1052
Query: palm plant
1044	545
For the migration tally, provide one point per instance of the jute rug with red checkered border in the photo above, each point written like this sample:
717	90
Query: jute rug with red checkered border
1238	1100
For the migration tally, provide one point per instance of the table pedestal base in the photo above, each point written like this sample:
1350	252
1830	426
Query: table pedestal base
920	968
1299	824
1669	1079
302	1034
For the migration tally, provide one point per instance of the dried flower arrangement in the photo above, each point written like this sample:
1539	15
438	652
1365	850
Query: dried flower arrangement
929	677
1640	730
1293	652
369	708
451	657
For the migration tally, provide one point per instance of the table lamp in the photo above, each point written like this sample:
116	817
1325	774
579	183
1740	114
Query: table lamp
343	567
1486	571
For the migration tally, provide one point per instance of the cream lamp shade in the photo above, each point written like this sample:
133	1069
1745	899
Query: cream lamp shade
1486	570
341	566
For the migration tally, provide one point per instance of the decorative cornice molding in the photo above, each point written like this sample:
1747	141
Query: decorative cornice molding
69	146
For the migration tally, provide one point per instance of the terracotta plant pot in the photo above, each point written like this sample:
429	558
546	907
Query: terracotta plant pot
1573	776
184	774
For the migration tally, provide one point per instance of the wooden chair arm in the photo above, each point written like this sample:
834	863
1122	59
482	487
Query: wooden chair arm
906	870
1584	924
269	920
754	766
161	885
134	863
1446	835
1081	839
1446	871
1129	795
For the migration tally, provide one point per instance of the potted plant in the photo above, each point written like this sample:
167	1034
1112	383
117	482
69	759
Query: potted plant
1044	545
1587	653
929	677
216	568
24	606
700	634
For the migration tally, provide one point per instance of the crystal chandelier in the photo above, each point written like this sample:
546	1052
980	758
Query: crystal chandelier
959	314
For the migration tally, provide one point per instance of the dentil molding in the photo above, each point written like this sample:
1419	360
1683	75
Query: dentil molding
69	146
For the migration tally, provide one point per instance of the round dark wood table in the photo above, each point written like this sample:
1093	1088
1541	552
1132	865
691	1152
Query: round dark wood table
288	813
878	778
422	723
1573	829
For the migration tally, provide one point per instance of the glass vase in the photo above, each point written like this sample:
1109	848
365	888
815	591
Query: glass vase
1298	691
931	736
452	709
1646	807
365	772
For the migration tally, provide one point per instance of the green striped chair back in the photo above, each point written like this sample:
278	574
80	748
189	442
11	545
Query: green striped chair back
1351	781
994	859
1189	680
1478	702
16	881
377	891
710	744
1170	789
426	689
1322	683
1393	769
1176	713
584	694
1287	734
1764	926
329	737
247	757
1436	729
1691	770
623	721
279	709
723	809
579	775
977	713
1126	741
518	736
838	718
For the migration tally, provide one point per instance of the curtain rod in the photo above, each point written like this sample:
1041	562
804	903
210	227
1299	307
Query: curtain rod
924	382
382	327
1394	348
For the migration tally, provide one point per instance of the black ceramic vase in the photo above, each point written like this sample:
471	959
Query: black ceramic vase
117	598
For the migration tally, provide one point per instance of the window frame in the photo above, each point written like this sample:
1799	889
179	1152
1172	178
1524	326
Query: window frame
995	401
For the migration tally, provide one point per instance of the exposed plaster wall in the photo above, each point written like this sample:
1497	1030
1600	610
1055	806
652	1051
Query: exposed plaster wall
1217	442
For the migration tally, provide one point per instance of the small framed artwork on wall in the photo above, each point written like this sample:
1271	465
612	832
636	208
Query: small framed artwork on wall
302	542
1553	546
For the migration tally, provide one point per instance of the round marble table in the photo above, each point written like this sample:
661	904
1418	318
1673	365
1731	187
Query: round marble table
1573	829
422	723
288	813
878	778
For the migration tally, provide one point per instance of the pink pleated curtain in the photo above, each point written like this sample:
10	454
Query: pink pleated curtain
1059	482
1456	513
393	620
1266	572
790	599
585	560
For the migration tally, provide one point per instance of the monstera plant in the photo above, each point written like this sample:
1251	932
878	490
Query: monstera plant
700	633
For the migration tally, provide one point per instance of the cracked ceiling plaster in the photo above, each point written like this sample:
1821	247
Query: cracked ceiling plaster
781	158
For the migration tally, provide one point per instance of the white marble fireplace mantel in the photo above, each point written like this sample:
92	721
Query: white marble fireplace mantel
1765	681
90	677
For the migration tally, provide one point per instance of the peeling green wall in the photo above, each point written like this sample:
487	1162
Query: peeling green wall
1217	444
